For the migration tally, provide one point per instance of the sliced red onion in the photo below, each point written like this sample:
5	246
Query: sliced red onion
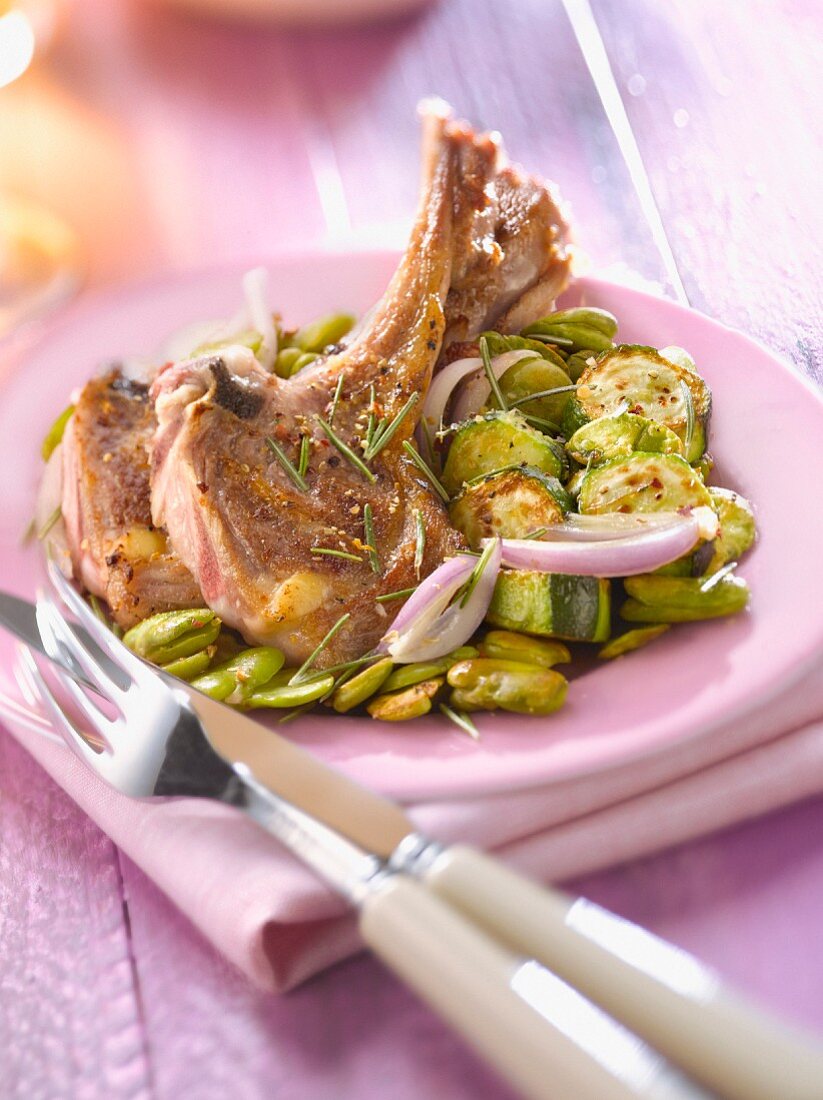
606	527
427	627
623	557
255	288
444	383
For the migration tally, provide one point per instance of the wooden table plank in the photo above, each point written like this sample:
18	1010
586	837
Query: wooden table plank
721	101
70	1018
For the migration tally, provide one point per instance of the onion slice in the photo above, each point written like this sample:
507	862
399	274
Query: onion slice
619	557
609	526
449	377
429	625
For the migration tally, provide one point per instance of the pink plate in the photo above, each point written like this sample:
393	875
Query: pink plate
766	438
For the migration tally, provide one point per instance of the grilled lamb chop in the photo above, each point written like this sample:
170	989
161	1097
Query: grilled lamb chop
257	541
116	550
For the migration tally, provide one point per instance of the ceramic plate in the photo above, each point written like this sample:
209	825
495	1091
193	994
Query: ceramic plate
767	431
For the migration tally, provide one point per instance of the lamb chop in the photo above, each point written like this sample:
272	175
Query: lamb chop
283	555
116	550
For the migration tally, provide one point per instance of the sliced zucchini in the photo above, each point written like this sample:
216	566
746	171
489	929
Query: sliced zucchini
512	503
494	441
552	605
679	356
654	387
655	599
536	376
618	436
642	483
737	527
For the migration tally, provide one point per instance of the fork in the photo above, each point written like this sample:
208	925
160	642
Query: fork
473	939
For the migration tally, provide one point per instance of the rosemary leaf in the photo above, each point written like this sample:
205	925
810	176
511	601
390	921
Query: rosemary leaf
300	675
420	545
399	595
338	389
368	528
541	393
476	574
331	553
383	435
462	720
424	468
547	338
345	450
305	451
50	522
490	375
287	465
717	577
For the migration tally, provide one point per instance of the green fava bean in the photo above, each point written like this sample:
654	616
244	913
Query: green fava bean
279	693
416	673
591	316
536	376
656	599
402	706
285	362
582	337
362	686
54	435
235	680
187	668
489	684
631	640
323	331
507	645
171	635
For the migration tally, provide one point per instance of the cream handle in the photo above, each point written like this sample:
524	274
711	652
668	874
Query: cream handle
658	991
470	981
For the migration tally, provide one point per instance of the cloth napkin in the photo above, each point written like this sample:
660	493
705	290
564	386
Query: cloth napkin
276	922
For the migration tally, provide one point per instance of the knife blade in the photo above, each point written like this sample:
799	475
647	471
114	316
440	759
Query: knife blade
368	820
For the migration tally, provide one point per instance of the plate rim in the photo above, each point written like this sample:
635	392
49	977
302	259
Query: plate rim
119	295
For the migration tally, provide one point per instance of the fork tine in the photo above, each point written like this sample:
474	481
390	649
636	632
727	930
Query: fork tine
102	635
48	618
73	737
59	639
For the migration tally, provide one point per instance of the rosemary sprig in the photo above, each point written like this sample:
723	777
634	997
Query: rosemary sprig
50	522
541	393
305	451
331	553
338	389
372	423
399	595
300	675
420	544
490	375
476	573
462	720
689	403
345	450
384	431
371	542
424	424
290	715
547	426
287	465
538	533
424	468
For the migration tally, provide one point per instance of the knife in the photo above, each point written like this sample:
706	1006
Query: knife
658	991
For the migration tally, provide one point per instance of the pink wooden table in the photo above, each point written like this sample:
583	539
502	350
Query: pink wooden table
171	142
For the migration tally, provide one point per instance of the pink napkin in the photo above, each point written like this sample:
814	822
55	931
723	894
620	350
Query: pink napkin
272	918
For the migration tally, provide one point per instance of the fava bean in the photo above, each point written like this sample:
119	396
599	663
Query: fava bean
401	706
362	686
170	635
187	668
656	599
488	684
238	678
631	640
321	332
279	693
408	675
510	646
54	435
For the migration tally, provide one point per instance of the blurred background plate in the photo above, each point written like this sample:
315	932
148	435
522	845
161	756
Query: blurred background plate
318	13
